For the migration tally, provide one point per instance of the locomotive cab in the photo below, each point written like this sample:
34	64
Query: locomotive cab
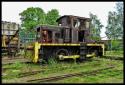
80	28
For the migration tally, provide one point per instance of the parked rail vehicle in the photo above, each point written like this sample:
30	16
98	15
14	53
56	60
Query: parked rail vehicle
69	40
10	38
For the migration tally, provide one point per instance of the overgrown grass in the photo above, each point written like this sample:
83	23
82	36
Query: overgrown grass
14	72
77	68
120	53
16	65
55	68
52	62
106	76
17	68
114	75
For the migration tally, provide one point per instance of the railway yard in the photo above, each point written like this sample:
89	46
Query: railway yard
108	69
58	54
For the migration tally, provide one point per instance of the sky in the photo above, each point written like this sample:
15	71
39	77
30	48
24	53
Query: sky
11	10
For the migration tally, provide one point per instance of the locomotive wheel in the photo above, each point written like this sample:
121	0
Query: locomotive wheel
62	52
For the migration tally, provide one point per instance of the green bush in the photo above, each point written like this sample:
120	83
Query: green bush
52	61
115	45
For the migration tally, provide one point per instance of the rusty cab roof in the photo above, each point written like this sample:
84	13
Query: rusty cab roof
50	27
72	16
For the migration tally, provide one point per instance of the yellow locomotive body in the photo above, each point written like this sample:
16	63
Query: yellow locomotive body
37	46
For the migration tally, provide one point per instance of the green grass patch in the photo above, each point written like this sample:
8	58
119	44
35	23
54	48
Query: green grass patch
54	69
115	53
106	76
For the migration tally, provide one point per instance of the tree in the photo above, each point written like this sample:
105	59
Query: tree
114	28
95	27
31	17
111	29
52	16
120	17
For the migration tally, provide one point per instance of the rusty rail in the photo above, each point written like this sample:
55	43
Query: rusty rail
70	75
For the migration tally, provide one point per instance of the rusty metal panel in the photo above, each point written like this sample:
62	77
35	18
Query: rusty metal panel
74	35
67	35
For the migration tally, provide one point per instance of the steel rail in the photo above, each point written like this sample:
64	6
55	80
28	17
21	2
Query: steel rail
94	72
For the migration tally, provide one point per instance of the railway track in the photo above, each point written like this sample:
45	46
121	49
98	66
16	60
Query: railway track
27	62
11	58
4	69
38	71
12	61
42	70
55	78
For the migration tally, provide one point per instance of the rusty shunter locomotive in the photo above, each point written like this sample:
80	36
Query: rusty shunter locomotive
69	40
